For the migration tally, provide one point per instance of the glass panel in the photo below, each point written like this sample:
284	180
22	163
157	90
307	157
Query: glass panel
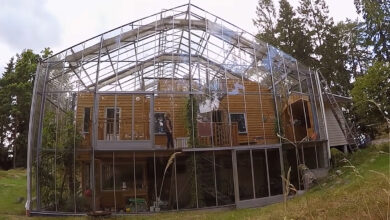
224	173
87	120
185	172
310	156
290	161
205	178
159	121
244	175
239	118
260	173
274	171
112	124
165	183
141	117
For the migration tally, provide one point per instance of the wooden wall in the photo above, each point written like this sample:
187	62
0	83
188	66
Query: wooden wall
237	102
174	105
301	132
256	103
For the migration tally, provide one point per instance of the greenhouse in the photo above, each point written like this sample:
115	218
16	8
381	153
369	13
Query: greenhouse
239	111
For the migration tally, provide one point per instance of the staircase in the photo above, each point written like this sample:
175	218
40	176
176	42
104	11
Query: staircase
349	132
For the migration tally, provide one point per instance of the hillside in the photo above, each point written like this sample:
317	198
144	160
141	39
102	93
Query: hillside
359	190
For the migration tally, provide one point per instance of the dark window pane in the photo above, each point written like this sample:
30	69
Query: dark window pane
260	173
290	161
275	172
240	119
310	156
244	175
205	178
110	122
159	123
185	172
224	173
87	119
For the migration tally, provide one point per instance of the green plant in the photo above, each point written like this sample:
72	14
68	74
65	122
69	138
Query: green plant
191	122
56	167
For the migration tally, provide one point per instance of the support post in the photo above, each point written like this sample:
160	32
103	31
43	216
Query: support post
30	142
323	114
95	127
39	142
235	178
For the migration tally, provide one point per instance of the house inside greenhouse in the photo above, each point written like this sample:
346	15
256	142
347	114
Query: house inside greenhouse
240	114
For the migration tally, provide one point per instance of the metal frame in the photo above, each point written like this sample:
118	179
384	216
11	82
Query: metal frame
184	44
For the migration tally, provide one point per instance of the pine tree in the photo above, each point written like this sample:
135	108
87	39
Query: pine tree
376	14
5	103
266	21
358	54
290	35
16	93
316	20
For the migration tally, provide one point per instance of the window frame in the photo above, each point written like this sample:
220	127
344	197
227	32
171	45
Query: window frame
245	121
105	124
154	117
89	120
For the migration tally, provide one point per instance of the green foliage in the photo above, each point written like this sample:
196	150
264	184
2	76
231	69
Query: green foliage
336	157
59	133
376	16
290	34
266	21
16	87
373	86
191	112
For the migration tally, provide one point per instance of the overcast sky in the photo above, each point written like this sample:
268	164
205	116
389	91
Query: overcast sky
37	24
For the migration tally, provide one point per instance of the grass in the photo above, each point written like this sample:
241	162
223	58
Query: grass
361	191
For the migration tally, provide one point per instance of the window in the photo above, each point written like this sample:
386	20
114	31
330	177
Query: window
159	123
87	119
110	123
240	119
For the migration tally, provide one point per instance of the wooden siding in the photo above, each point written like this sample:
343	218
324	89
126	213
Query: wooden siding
336	136
249	104
295	104
174	105
250	99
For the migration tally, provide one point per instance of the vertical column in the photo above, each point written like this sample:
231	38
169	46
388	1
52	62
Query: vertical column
274	91
151	120
288	104
226	85
39	142
260	93
323	117
190	75
95	126
235	177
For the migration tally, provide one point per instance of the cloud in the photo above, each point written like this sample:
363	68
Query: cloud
27	24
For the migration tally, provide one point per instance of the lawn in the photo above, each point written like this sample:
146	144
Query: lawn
359	190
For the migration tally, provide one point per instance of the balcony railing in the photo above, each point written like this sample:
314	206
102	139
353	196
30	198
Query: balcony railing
218	134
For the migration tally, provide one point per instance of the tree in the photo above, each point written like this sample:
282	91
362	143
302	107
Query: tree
5	119
373	87
357	52
315	16
15	98
376	14
290	35
333	61
266	21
